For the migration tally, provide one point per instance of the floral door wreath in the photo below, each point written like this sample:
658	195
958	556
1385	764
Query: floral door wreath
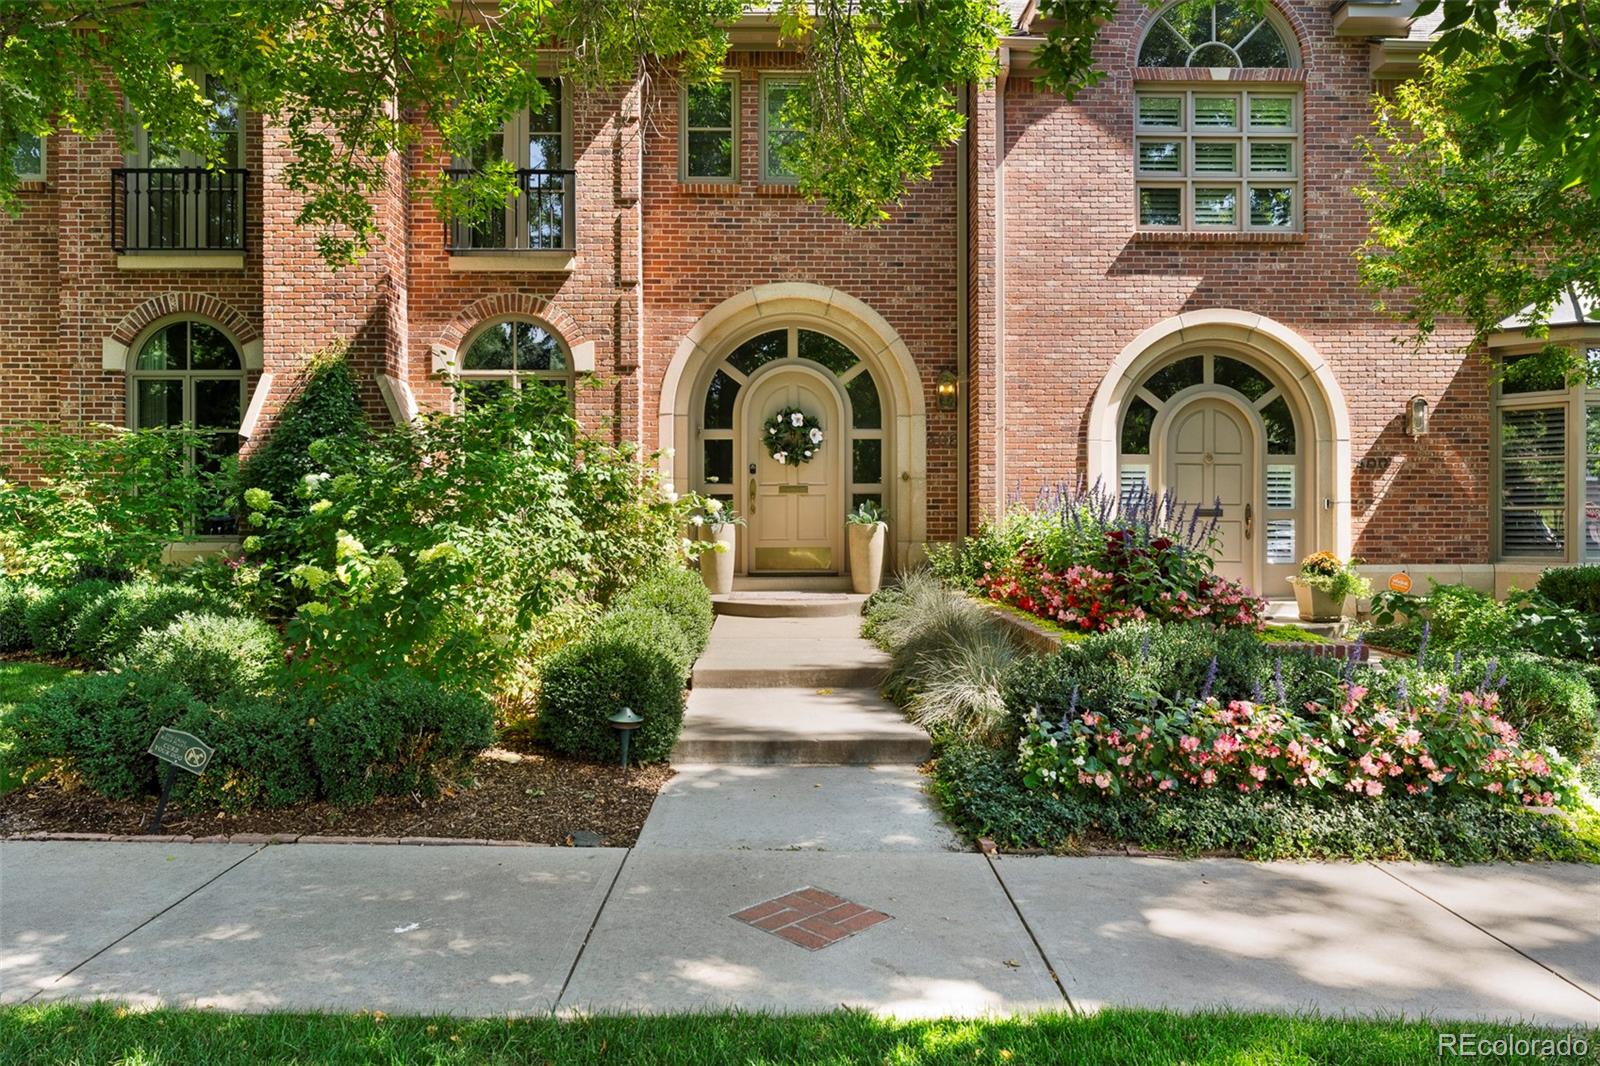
792	436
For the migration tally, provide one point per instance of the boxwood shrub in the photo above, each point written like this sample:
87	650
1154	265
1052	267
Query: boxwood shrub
97	728
210	653
15	599
1577	587
52	616
681	595
652	628
394	736
614	666
262	757
1551	701
111	624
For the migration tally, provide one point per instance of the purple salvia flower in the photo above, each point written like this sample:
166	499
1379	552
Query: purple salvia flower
1211	679
1422	645
1455	669
1277	682
1072	709
1401	695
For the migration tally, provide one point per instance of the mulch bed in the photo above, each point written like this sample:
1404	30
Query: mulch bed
535	798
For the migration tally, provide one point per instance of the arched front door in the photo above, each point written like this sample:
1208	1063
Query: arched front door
795	513
1211	461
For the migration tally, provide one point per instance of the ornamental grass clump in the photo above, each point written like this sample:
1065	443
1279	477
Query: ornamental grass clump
1094	560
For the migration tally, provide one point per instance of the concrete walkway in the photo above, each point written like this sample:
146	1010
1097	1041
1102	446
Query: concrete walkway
513	930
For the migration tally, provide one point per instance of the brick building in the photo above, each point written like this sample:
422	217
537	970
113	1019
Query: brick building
1154	284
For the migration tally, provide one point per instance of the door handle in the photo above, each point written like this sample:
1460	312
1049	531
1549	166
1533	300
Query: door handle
1249	520
752	495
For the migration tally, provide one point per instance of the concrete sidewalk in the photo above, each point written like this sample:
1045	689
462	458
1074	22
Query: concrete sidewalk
666	926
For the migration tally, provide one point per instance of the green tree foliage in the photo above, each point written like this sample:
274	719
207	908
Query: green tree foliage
1464	223
1531	78
354	81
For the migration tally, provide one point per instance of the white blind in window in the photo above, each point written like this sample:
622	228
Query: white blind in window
1533	481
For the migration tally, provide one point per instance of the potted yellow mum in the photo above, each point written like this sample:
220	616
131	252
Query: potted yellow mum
1322	585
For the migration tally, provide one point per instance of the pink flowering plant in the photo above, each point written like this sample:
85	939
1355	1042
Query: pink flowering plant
1437	742
1092	561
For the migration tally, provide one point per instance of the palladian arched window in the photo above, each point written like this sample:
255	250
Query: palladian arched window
508	353
1219	155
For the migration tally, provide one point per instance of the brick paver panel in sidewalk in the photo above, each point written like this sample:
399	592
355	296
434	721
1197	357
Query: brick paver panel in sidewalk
811	917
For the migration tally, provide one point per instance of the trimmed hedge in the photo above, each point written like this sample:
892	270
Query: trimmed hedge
113	623
1577	587
209	653
15	599
53	615
654	629
394	737
614	666
97	728
262	758
681	595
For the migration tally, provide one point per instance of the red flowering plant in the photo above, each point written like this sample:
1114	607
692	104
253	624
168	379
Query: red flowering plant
1440	742
1092	562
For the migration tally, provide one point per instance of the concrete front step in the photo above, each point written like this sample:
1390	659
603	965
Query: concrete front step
789	653
836	727
789	604
791	583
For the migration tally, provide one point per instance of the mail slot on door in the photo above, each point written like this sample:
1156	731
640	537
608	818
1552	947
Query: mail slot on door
786	490
1208	512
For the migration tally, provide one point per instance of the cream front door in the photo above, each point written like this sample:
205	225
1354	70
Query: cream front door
1211	463
795	514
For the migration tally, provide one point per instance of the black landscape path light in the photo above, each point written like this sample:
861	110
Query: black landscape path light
625	722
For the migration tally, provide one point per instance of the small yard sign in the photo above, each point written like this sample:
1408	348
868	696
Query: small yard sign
1400	583
183	750
179	750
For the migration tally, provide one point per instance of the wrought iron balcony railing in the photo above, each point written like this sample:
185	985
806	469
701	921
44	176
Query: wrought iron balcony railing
178	209
541	217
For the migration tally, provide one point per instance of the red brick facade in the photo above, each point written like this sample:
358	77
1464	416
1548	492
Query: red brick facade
1019	262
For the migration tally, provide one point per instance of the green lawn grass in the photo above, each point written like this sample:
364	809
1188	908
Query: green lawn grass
21	681
108	1034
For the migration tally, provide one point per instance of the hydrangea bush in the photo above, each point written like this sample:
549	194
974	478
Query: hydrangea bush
1432	742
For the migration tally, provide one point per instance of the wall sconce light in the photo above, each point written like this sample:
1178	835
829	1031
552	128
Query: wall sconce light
1417	416
946	387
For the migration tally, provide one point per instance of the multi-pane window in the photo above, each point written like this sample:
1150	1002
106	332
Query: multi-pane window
1208	160
169	198
189	373
27	157
1547	485
507	354
534	142
777	135
709	147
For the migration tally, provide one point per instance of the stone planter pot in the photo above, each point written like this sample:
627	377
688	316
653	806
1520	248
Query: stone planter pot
1316	605
716	567
866	556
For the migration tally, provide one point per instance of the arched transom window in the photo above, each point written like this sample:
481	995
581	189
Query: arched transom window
1142	412
1215	33
716	473
511	352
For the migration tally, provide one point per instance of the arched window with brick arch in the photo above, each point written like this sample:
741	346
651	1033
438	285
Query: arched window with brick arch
511	352
1218	155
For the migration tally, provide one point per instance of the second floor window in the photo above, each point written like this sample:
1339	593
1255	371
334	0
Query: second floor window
776	134
1217	160
536	143
173	199
709	147
27	158
1225	155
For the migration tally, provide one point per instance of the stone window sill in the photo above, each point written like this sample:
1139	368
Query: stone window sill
1147	236
531	261
181	261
